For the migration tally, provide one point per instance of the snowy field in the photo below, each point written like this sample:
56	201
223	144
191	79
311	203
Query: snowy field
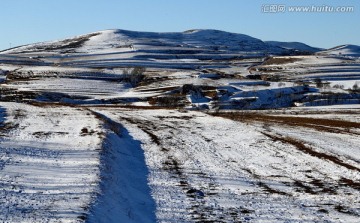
49	163
198	126
252	175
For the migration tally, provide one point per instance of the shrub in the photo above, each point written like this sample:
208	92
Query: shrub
135	76
168	101
356	87
338	86
318	83
190	88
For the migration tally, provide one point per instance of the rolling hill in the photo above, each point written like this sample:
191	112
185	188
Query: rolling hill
343	50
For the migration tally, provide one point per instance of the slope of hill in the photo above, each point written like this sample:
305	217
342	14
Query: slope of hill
206	40
295	46
343	50
113	48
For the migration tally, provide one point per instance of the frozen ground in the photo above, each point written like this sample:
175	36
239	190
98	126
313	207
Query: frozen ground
217	127
49	164
253	175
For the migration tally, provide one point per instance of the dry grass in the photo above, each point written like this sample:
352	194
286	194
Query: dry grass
131	107
336	126
350	183
210	94
270	190
7	127
329	125
172	101
51	104
307	149
280	60
160	89
43	134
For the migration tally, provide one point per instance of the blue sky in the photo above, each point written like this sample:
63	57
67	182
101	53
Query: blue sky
29	21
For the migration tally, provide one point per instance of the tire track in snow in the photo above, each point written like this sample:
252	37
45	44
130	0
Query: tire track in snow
199	210
241	172
306	149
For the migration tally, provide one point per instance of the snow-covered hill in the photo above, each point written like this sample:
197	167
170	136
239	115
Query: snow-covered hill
343	50
116	48
118	40
295	46
189	44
